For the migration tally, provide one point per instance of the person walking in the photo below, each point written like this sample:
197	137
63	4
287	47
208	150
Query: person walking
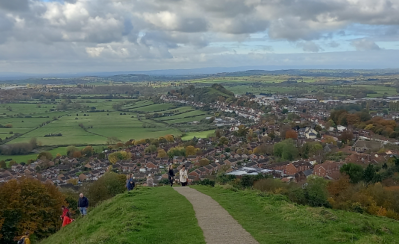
130	184
24	239
83	204
183	176
150	181
67	219
171	175
65	210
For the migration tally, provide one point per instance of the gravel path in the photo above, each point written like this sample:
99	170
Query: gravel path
218	225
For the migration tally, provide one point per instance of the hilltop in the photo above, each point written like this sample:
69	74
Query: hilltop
145	215
161	215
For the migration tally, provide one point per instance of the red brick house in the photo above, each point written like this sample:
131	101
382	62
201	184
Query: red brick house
328	169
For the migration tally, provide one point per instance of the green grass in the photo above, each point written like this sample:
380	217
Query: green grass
155	107
199	134
147	215
272	219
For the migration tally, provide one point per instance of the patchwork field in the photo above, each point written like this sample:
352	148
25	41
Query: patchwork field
89	122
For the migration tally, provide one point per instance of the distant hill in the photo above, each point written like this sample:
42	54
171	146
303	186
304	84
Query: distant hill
185	74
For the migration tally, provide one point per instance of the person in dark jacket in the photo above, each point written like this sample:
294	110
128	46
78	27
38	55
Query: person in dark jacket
130	182
83	204
171	175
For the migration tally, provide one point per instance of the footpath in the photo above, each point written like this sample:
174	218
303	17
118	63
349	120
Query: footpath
218	225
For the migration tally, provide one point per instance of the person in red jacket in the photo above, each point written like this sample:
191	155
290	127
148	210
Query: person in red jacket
67	219
65	210
66	216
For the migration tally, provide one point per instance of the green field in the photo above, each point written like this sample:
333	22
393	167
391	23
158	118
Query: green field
272	219
147	215
200	134
98	117
54	152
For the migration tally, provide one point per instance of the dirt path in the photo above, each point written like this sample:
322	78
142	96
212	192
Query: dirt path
218	225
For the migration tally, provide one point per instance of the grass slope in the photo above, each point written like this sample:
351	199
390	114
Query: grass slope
147	215
271	219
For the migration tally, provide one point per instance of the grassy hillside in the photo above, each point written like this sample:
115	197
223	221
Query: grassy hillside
271	219
146	215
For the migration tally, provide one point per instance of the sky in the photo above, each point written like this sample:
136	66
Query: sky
72	36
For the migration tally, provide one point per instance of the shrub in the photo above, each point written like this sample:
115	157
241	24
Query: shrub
106	187
206	182
29	205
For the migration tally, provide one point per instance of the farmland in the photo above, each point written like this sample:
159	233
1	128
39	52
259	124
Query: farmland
91	122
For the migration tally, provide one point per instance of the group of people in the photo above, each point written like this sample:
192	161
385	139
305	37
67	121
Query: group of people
83	202
130	183
183	175
66	217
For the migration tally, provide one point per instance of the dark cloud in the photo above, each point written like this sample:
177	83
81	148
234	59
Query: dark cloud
14	5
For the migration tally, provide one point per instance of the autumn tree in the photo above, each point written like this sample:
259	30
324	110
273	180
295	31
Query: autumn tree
191	150
88	151
162	139
223	141
70	150
77	154
204	162
346	136
3	164
12	163
242	130
119	145
291	134
176	151
162	153
140	142
29	205
150	149
170	138
117	156
45	156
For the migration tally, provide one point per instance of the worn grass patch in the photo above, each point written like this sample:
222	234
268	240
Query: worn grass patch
146	215
272	219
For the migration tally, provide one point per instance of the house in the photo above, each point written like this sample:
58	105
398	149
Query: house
328	169
178	159
362	146
310	133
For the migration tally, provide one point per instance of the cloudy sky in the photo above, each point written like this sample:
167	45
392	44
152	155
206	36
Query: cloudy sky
48	36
